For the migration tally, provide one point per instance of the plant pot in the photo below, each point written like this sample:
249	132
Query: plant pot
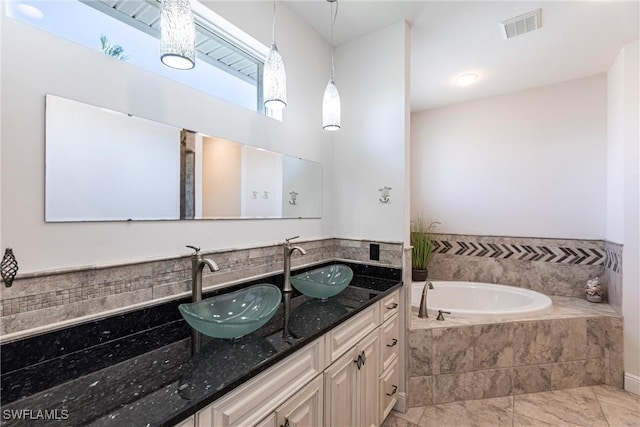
419	275
594	298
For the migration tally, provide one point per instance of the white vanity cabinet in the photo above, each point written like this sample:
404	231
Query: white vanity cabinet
305	408
347	377
389	367
362	395
351	386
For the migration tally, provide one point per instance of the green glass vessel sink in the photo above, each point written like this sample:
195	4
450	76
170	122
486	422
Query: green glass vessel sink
323	282
234	314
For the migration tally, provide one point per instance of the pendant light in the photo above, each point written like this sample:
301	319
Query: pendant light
177	35
274	77
331	99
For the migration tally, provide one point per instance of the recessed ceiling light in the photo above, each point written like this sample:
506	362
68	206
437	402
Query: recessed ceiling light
466	79
29	11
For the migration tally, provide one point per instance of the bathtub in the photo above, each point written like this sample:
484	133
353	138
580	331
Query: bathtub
474	299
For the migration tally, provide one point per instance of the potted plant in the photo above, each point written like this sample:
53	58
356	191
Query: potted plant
422	243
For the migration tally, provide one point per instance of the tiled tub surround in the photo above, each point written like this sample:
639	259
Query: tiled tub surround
601	405
37	300
136	368
612	278
550	266
575	344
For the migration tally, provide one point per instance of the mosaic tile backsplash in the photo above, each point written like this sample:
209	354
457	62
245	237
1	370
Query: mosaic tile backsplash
36	300
552	266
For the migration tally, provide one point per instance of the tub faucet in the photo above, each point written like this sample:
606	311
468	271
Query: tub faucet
288	251
440	314
422	311
198	262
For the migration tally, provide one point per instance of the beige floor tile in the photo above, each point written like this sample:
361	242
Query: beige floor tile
620	407
393	420
619	416
520	420
413	415
612	395
577	407
497	412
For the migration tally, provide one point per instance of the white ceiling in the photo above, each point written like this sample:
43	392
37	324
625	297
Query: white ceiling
577	39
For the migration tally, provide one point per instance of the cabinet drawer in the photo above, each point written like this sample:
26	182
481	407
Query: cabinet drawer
390	305
390	339
345	336
250	403
389	383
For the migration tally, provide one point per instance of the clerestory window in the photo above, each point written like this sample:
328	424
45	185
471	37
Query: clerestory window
229	62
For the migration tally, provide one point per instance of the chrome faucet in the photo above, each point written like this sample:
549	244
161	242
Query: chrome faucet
288	251
422	311
198	262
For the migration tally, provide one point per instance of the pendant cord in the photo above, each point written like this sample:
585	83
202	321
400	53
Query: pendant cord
273	27
333	23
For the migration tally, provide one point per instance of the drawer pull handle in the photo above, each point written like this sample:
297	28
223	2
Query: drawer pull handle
359	361
392	306
395	388
286	422
393	343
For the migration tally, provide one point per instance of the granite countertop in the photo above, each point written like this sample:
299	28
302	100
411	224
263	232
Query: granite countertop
137	368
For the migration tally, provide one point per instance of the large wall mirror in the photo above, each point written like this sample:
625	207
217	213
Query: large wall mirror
103	165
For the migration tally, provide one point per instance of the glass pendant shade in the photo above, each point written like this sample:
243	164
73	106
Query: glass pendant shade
177	35
274	80
331	107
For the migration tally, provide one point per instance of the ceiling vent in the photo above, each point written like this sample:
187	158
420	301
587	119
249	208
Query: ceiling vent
521	24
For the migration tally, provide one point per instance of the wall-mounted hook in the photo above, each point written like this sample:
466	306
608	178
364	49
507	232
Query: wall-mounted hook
293	195
265	194
384	194
255	194
9	267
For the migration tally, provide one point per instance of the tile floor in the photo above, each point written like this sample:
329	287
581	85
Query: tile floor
595	406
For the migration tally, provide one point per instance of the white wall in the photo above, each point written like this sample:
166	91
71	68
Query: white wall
623	219
41	63
615	152
369	149
530	163
2	246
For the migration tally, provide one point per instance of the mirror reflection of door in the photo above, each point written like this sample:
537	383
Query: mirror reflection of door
221	162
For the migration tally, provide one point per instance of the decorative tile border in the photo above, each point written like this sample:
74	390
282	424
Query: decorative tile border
550	266
523	252
614	258
38	300
612	277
